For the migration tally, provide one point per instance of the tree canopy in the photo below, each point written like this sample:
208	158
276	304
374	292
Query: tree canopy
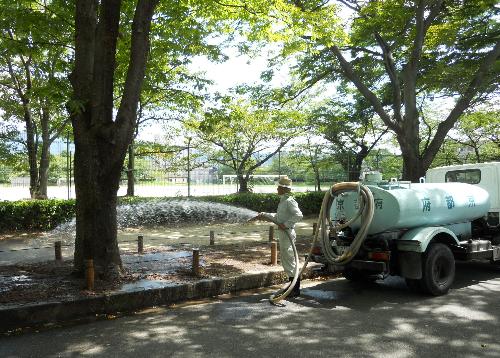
34	63
244	137
393	52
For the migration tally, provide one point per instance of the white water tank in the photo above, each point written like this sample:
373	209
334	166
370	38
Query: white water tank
422	204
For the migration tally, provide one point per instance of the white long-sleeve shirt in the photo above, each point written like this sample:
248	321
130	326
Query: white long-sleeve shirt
288	212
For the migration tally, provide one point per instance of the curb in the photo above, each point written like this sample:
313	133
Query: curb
39	314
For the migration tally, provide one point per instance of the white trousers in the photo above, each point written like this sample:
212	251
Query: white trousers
286	251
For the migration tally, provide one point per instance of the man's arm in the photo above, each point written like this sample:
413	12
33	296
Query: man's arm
264	217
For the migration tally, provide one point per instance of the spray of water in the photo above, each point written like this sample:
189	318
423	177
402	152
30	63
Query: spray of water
169	213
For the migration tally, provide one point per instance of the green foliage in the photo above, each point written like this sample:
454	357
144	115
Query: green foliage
243	135
309	202
395	52
35	62
35	214
47	214
389	164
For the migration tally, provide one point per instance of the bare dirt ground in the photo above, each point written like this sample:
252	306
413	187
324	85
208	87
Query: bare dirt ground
170	262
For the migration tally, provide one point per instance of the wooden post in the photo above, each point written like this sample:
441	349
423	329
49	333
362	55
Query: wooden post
274	253
140	244
271	233
89	274
57	250
212	237
315	227
196	262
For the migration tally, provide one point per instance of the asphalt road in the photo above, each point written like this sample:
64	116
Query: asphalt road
333	318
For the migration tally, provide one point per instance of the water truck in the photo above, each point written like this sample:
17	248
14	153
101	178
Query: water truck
375	228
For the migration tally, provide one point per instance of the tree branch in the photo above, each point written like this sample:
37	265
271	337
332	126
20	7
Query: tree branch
365	91
464	101
363	49
141	26
390	68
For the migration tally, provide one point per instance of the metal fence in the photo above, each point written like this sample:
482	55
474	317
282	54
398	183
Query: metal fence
155	176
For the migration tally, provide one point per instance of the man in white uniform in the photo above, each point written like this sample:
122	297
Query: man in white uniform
286	216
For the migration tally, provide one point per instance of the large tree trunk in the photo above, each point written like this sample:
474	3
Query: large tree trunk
131	170
100	142
413	164
353	165
96	184
355	173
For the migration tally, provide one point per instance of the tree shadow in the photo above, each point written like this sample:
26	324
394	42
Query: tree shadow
332	318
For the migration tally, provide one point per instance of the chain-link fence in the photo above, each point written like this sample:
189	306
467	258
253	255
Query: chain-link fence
158	176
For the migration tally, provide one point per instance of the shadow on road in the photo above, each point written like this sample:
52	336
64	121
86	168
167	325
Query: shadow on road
332	318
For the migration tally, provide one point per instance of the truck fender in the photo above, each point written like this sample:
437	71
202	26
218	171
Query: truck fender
417	240
413	244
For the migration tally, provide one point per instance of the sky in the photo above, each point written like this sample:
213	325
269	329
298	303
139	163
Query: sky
237	70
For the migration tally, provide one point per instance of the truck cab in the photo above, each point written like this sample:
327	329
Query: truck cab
483	175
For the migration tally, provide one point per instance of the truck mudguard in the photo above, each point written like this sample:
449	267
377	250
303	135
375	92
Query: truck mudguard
417	240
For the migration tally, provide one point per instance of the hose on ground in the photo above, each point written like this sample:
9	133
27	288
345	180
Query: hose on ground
280	294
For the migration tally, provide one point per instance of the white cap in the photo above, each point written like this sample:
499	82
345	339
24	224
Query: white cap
285	182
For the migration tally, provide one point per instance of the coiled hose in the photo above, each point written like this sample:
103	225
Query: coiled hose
366	211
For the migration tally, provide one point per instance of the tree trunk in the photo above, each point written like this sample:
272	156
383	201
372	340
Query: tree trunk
131	170
41	187
101	141
355	172
96	184
413	165
477	153
31	145
317	178
43	171
243	183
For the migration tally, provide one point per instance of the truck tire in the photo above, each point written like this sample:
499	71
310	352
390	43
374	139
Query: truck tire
438	269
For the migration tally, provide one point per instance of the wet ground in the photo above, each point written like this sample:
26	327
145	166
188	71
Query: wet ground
331	318
29	273
21	247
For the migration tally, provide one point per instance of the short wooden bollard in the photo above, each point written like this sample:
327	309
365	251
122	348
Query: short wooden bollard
57	250
196	262
315	227
271	233
212	237
274	253
89	274
140	244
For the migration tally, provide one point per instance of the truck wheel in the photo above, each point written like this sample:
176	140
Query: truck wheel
438	270
355	275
